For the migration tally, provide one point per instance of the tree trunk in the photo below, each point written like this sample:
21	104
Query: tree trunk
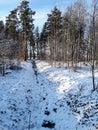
93	78
3	70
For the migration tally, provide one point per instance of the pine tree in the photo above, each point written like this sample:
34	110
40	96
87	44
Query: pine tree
27	26
31	45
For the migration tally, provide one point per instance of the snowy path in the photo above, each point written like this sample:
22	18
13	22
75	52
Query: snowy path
21	93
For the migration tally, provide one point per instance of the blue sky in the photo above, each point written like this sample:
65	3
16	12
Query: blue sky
42	8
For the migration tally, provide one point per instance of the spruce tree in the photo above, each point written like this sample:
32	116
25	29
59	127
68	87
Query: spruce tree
37	42
12	25
1	30
43	40
54	33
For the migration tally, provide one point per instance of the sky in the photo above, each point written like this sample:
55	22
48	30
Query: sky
42	8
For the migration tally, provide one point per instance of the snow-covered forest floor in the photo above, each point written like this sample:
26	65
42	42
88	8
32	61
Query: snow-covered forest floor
56	98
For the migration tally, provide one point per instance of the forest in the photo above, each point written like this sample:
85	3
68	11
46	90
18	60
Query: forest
70	37
49	76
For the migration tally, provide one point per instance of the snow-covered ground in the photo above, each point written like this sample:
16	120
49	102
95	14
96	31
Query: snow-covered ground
57	99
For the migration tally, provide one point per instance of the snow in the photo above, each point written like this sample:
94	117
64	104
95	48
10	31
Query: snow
57	98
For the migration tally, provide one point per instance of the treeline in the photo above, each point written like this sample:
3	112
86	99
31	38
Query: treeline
72	37
69	38
16	35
